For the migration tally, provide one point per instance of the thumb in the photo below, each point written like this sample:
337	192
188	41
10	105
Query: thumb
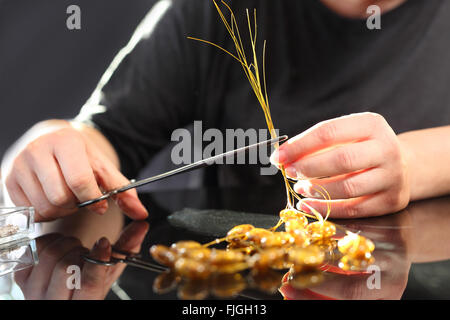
93	276
110	178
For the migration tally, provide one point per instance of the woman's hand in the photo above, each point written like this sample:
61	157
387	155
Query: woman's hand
358	159
58	169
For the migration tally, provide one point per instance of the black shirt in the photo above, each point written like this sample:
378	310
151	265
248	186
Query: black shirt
319	66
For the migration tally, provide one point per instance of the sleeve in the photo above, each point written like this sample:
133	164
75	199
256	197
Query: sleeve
148	91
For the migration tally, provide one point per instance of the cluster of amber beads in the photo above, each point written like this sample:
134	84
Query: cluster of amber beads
302	249
357	252
190	259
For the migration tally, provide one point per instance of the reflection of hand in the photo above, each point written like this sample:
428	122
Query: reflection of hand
392	259
47	280
353	287
362	159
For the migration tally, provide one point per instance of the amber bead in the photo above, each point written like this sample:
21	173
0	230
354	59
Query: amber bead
293	214
220	257
242	247
182	246
320	230
199	254
190	268
326	244
294	226
301	239
239	232
258	235
269	258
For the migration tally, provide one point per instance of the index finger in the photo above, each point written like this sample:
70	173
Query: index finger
78	173
355	127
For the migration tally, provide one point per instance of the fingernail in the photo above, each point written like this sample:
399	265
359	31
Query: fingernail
302	207
99	208
145	210
299	189
282	290
306	192
103	243
303	187
278	157
291	172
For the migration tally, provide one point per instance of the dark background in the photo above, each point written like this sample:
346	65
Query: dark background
48	71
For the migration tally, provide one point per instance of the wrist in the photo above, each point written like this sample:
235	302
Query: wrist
408	167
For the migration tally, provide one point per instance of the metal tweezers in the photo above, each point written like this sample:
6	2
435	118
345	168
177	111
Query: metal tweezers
189	167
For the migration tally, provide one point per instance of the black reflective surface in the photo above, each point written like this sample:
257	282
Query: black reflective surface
412	247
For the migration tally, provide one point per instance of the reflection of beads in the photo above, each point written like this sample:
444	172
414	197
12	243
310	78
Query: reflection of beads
302	280
306	258
165	282
163	255
269	258
348	263
356	246
228	285
266	280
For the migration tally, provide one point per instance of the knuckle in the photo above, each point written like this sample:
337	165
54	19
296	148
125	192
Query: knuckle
351	211
345	160
10	182
92	281
59	199
54	250
33	147
99	167
349	188
395	201
303	167
392	200
78	182
18	164
72	258
45	209
376	117
31	153
377	122
63	133
64	136
49	253
394	152
326	132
